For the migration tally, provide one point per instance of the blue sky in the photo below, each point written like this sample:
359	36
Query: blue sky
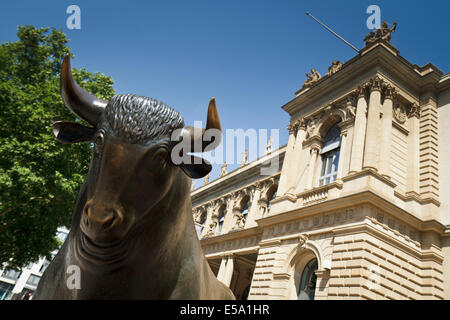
250	55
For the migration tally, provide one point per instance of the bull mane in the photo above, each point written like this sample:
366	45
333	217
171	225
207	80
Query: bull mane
140	119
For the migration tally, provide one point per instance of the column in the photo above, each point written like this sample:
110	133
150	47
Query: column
285	171
342	153
228	222
311	166
297	162
253	208
222	269
386	133
359	131
412	179
228	271
206	230
373	126
263	204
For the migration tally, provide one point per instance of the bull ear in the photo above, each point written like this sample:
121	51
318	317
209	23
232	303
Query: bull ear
197	168
69	132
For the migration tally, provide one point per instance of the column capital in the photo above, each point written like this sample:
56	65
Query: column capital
361	91
291	128
390	92
376	84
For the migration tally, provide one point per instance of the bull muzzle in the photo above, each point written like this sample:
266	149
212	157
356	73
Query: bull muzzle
102	223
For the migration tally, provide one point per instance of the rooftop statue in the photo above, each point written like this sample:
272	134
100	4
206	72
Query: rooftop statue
336	65
132	234
312	77
383	33
223	169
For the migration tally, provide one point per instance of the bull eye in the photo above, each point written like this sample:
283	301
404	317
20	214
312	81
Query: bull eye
99	140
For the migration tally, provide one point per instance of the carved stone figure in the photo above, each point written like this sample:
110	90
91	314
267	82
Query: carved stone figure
312	77
206	179
244	158
336	65
212	229
240	221
223	169
302	238
132	232
383	33
269	145
399	113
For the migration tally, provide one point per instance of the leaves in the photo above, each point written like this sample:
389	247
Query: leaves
39	177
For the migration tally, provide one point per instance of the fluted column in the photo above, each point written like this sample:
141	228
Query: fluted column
373	126
359	131
386	132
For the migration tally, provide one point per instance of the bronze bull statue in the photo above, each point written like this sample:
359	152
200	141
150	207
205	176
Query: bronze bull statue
132	234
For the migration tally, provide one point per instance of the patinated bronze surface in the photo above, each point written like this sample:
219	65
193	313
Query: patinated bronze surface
132	233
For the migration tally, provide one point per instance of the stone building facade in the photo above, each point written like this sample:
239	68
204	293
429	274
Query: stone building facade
360	205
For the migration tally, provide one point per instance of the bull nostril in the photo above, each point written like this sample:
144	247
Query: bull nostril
86	215
110	220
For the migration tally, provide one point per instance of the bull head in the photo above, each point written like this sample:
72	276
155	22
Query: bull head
127	176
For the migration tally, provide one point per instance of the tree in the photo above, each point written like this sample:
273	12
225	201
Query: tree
39	177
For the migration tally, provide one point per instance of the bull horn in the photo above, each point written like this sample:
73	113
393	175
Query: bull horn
83	104
212	122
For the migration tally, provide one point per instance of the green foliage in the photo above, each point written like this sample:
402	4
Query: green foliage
39	177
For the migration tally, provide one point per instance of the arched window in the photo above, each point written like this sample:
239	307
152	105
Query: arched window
221	219
330	155
308	280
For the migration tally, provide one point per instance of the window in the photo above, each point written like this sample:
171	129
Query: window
5	290
308	281
33	280
330	155
44	266
270	200
11	274
221	219
244	211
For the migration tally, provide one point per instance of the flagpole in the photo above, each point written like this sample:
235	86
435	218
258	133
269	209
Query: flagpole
323	25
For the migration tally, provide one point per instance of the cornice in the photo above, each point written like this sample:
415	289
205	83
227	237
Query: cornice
365	197
366	66
239	174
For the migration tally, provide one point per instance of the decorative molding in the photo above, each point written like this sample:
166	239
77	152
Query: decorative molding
414	110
